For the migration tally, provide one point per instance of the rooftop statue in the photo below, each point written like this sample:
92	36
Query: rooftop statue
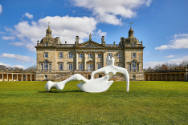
94	85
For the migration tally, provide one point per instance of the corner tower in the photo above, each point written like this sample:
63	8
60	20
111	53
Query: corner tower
133	55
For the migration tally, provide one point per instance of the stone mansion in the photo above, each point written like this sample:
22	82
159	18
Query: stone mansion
57	61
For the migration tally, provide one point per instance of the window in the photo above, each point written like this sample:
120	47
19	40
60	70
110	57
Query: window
130	67
90	66
99	65
60	66
50	66
70	66
46	44
99	55
81	66
134	66
60	55
90	55
118	55
45	65
110	54
133	55
81	55
41	66
70	55
45	54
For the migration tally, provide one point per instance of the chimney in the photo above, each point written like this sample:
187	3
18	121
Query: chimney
77	40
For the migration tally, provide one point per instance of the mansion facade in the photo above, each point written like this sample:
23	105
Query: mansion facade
57	61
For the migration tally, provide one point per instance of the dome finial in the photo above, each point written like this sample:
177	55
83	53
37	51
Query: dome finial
131	31
49	31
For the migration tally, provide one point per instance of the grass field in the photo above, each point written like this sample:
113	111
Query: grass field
147	103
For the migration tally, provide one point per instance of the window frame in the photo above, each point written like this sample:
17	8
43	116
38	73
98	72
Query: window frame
60	55
70	55
45	54
60	65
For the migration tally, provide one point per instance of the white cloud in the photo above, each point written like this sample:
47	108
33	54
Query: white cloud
28	15
170	61
17	57
152	64
108	10
64	27
4	64
100	33
170	56
1	8
8	37
17	43
180	41
19	66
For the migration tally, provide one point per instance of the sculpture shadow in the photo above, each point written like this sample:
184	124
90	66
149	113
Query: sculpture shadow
65	91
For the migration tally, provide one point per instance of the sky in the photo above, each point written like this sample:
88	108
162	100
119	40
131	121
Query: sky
160	24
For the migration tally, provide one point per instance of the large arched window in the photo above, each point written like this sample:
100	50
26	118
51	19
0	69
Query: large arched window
134	66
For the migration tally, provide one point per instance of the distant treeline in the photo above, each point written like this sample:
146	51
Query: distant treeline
168	67
17	69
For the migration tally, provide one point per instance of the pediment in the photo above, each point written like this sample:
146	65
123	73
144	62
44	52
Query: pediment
90	44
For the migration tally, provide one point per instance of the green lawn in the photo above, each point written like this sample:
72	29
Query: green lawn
147	103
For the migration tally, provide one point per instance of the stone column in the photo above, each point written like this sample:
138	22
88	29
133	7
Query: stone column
22	77
12	77
104	60
95	61
84	61
26	78
17	77
30	77
2	77
7	77
76	61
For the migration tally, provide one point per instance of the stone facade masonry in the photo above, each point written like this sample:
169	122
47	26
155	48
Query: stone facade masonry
56	61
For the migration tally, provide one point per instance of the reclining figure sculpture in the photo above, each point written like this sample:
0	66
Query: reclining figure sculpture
94	85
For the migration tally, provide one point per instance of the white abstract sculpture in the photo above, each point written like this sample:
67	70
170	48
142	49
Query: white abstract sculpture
94	85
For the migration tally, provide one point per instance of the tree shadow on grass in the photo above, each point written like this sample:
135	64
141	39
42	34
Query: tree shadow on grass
65	91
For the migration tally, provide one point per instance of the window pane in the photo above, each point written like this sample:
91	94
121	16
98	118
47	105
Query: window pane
70	55
99	55
70	66
110	54
60	54
81	55
46	54
60	66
